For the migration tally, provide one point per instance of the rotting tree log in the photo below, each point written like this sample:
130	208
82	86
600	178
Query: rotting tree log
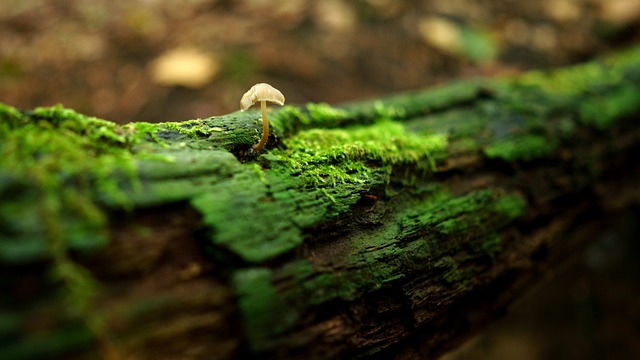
395	227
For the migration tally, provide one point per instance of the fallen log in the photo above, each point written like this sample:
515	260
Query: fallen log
395	227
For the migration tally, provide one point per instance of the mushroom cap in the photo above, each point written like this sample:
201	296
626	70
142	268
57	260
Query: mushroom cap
261	92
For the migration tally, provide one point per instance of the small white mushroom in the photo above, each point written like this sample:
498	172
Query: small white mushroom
261	92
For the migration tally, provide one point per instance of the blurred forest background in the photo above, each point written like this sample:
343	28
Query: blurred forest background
169	60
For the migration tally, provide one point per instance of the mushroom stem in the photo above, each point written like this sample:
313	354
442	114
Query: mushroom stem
265	127
261	92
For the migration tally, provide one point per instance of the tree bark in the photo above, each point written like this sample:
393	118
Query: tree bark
395	227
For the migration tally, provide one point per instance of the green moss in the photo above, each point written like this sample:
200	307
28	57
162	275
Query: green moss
419	241
577	79
288	120
521	148
57	167
280	207
606	108
270	309
435	225
317	286
325	114
470	215
165	180
45	150
449	267
491	245
271	231
416	104
256	301
388	112
10	116
511	205
571	81
193	128
332	156
141	131
461	214
445	213
318	174
603	91
239	130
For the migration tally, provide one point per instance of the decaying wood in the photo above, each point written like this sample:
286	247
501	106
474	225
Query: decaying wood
394	228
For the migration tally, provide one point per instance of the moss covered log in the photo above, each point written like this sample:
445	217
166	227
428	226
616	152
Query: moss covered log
394	227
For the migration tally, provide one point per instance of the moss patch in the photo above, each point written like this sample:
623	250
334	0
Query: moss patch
346	155
449	267
421	241
604	91
525	148
471	219
61	160
512	205
57	166
316	175
257	298
610	106
271	231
